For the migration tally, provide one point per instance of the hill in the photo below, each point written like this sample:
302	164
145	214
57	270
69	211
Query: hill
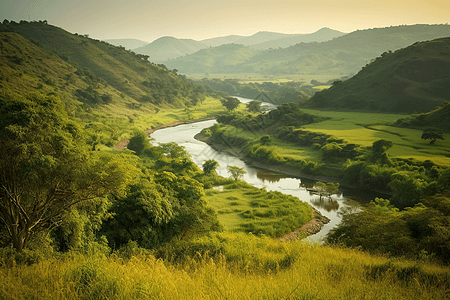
321	35
95	74
127	43
344	55
168	47
221	59
438	118
413	79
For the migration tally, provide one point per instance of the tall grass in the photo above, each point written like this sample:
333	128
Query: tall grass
314	272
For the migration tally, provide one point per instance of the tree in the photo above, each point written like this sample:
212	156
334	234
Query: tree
254	106
265	140
46	167
432	134
326	189
236	172
209	166
230	103
139	142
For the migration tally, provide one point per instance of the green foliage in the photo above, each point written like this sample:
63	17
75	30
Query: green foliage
236	172
413	79
230	103
209	166
254	106
432	134
139	143
420	231
46	168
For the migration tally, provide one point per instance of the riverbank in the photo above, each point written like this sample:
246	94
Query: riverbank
123	143
277	168
312	227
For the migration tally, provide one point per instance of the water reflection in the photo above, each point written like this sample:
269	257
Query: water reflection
269	176
327	204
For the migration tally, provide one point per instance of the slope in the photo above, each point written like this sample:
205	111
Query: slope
221	59
168	47
413	79
438	118
131	79
127	43
344	55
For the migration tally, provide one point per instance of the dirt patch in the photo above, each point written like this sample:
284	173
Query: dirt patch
310	228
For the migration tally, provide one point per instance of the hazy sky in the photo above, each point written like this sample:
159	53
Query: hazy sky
199	19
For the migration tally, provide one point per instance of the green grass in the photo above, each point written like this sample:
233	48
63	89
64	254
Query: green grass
208	107
242	207
366	128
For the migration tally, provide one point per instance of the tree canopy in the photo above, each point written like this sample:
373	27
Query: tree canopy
46	167
236	172
432	134
230	103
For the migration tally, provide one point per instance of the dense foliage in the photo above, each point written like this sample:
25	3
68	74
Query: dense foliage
276	93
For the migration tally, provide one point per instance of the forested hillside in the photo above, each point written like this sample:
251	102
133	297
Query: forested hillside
96	73
414	79
344	55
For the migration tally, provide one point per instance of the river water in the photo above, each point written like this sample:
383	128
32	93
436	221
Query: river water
183	135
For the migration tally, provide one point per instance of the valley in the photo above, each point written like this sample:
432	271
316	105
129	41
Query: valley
127	176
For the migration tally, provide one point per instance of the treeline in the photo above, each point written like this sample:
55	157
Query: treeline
276	93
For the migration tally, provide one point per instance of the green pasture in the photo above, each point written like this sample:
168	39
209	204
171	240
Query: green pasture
365	128
284	149
242	207
208	107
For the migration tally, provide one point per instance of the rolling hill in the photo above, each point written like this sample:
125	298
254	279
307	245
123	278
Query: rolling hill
168	47
413	79
94	74
221	59
344	55
127	43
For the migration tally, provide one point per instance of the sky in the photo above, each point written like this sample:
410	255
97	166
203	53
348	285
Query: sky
148	20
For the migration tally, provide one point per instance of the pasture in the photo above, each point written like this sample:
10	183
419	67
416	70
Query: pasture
242	207
365	128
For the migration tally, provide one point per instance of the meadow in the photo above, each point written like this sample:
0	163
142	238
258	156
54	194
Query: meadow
242	207
248	267
366	128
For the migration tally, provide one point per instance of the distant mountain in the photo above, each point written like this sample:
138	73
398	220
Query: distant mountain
129	44
413	79
221	59
223	40
168	47
322	35
89	75
344	55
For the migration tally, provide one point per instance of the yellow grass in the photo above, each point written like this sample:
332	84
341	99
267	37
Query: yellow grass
318	272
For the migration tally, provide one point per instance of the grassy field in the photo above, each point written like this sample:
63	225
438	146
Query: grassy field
284	149
250	268
242	207
365	128
209	106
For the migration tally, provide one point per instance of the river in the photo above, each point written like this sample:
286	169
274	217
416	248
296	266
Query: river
183	135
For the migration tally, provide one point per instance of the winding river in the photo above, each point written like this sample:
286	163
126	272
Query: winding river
183	135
